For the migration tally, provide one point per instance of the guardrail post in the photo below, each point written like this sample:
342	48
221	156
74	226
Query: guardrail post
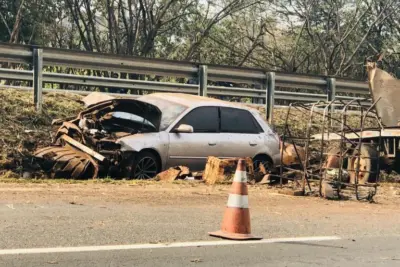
269	109
331	91
203	78
37	78
331	88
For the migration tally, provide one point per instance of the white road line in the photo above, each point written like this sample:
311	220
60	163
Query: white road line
164	245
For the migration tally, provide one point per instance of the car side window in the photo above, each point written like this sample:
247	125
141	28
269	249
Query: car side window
235	120
203	120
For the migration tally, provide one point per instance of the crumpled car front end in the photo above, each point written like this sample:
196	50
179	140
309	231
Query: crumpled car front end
87	146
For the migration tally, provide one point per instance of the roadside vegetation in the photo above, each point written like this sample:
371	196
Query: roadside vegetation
22	130
302	36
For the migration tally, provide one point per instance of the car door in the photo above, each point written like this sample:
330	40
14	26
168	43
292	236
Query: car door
192	149
243	136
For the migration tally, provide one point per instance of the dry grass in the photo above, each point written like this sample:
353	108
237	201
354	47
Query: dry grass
22	130
17	180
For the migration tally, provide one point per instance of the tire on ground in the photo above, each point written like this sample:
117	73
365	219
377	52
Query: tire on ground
369	158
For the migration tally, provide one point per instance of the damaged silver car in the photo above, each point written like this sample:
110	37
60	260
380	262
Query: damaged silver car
138	138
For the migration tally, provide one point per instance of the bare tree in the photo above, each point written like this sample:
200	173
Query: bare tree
17	24
208	22
336	29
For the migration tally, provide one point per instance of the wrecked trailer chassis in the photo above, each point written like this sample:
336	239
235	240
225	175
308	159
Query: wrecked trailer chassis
330	143
366	150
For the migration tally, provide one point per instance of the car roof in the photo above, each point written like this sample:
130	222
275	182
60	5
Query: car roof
193	101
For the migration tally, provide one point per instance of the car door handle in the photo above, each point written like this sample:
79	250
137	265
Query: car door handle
252	143
212	143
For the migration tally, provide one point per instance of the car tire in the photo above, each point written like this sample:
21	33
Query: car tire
145	166
369	158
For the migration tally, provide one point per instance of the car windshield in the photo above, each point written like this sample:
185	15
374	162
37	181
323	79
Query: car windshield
170	110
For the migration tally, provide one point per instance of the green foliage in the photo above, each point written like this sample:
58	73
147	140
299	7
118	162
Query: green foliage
308	36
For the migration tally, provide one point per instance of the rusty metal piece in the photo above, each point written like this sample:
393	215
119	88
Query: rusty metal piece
70	129
173	174
184	171
332	165
83	148
291	156
266	179
169	175
384	86
95	98
261	169
66	162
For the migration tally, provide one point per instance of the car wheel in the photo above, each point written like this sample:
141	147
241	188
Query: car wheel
145	166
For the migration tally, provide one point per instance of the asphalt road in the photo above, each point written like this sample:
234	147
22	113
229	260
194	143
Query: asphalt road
363	252
52	217
63	224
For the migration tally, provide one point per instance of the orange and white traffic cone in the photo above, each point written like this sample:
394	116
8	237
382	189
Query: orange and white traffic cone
236	221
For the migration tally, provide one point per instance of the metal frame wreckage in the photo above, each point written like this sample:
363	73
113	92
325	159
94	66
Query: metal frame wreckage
346	143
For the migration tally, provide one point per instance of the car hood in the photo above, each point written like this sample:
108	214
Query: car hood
95	98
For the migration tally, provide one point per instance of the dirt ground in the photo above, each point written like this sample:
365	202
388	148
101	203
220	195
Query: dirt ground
180	193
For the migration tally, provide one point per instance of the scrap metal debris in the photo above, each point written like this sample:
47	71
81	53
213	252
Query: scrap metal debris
66	161
292	155
331	149
172	174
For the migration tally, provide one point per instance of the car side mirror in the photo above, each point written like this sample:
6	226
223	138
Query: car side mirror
183	128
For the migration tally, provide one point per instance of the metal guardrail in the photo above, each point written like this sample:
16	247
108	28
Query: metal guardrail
39	58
